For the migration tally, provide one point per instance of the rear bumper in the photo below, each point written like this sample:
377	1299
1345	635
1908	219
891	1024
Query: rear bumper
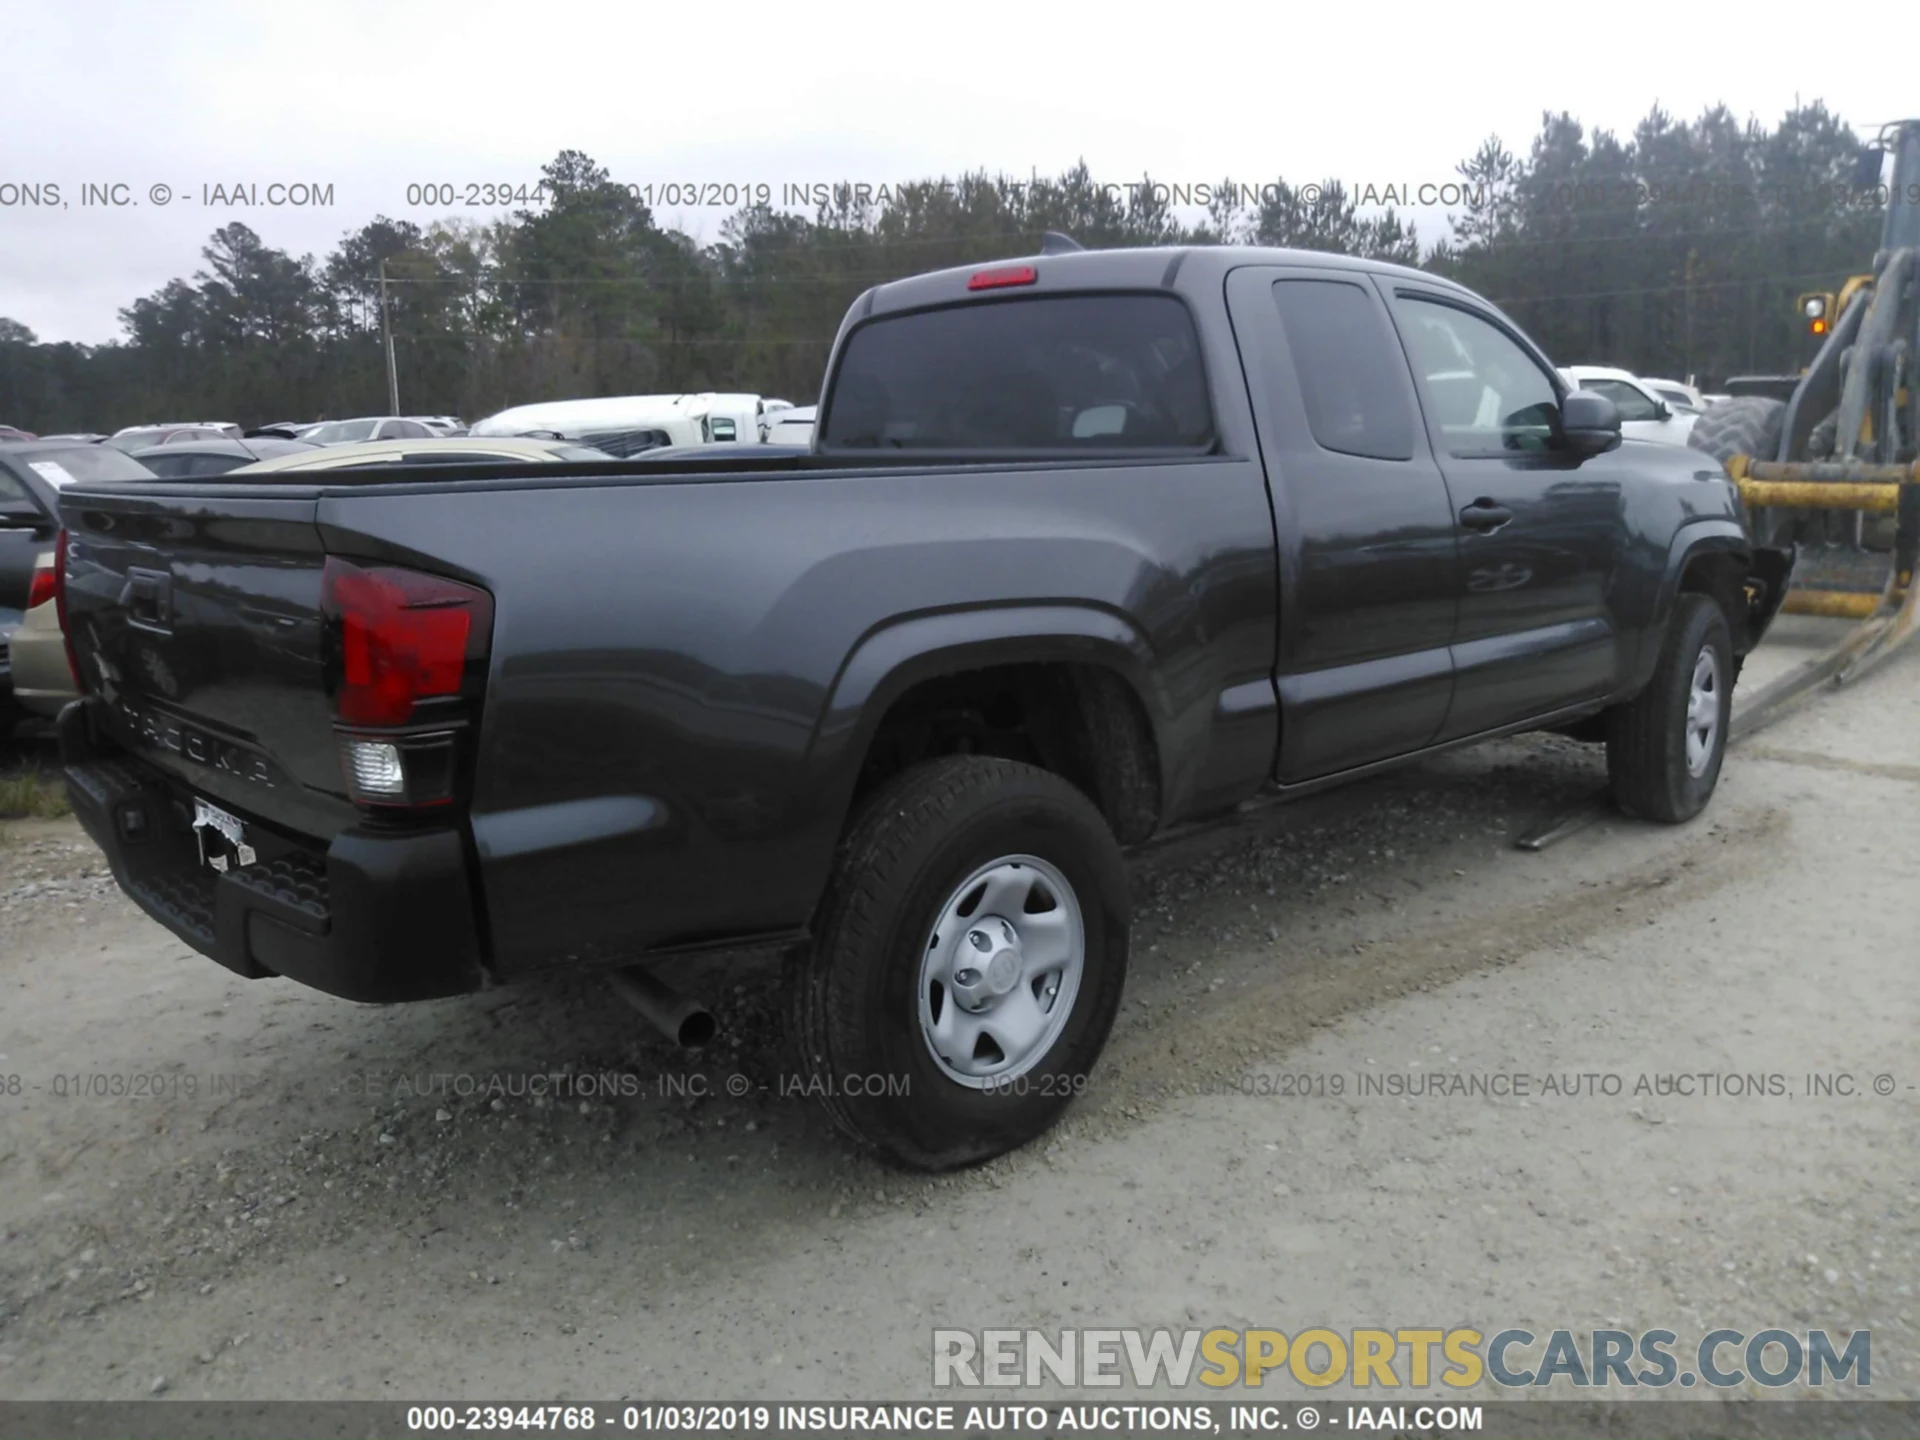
375	916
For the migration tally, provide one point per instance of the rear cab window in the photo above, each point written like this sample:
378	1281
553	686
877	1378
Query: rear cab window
1043	373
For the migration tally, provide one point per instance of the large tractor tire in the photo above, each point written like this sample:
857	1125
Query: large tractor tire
1749	425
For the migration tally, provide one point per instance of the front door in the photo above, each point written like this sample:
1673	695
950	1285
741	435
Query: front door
1539	533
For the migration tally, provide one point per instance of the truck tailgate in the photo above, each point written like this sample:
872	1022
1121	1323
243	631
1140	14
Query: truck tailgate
196	618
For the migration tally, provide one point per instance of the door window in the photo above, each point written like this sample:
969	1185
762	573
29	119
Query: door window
1484	393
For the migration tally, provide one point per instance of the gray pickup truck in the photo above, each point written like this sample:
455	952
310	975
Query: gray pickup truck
1085	545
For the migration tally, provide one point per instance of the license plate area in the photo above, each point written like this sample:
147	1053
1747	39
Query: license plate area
222	837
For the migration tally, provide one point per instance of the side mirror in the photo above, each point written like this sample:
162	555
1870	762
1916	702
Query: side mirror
1662	410
1589	423
1866	168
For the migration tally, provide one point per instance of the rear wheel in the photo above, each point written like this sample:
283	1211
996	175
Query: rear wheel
967	965
1666	745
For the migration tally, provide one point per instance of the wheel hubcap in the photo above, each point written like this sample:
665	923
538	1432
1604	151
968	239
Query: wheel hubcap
1001	970
1703	712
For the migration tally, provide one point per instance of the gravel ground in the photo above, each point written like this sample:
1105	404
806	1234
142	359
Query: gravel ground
238	1190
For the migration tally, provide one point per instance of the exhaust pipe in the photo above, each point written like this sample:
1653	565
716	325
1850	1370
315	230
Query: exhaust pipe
687	1023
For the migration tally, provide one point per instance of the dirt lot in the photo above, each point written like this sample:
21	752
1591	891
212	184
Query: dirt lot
297	1203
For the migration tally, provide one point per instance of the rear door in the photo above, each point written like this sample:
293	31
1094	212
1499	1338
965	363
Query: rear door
1539	534
1369	581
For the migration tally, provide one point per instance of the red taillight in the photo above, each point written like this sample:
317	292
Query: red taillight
1007	275
403	637
40	589
60	606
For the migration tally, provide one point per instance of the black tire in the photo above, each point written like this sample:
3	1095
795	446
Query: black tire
1749	425
1647	753
853	1001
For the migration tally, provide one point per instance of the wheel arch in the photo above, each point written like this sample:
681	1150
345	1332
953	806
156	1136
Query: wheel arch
1099	653
1711	557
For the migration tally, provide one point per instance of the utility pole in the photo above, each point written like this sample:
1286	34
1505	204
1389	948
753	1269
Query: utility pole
1691	252
386	329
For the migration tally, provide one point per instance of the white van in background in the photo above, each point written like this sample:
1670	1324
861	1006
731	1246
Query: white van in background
630	424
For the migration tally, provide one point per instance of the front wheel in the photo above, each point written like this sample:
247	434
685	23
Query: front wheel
967	963
1665	746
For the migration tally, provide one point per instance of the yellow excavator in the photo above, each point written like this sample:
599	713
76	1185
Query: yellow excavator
1829	460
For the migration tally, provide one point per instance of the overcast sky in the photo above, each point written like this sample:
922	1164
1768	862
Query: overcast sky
369	97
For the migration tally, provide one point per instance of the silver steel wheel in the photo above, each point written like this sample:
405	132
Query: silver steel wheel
1703	712
1000	971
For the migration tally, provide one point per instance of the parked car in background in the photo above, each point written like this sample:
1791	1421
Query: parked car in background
1676	393
8	432
445	426
1643	414
279	430
85	437
792	426
367	427
139	437
43	679
32	474
431	451
193	459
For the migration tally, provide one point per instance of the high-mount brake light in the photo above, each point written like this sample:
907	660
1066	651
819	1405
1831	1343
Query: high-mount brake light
1006	275
402	641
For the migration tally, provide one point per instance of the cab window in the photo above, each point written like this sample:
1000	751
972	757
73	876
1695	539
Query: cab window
1483	392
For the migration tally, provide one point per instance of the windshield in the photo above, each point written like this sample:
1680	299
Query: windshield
339	432
1060	373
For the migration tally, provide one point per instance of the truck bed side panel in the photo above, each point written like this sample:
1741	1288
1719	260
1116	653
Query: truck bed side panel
664	657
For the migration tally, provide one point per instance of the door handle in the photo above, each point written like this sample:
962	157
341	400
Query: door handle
1485	516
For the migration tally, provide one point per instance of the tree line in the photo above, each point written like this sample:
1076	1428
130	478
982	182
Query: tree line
1674	250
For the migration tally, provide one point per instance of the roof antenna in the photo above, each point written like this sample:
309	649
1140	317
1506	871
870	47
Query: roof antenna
1054	243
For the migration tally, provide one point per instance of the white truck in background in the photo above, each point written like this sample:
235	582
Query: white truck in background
630	424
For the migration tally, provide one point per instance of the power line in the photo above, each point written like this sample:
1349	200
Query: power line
1755	231
1674	289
